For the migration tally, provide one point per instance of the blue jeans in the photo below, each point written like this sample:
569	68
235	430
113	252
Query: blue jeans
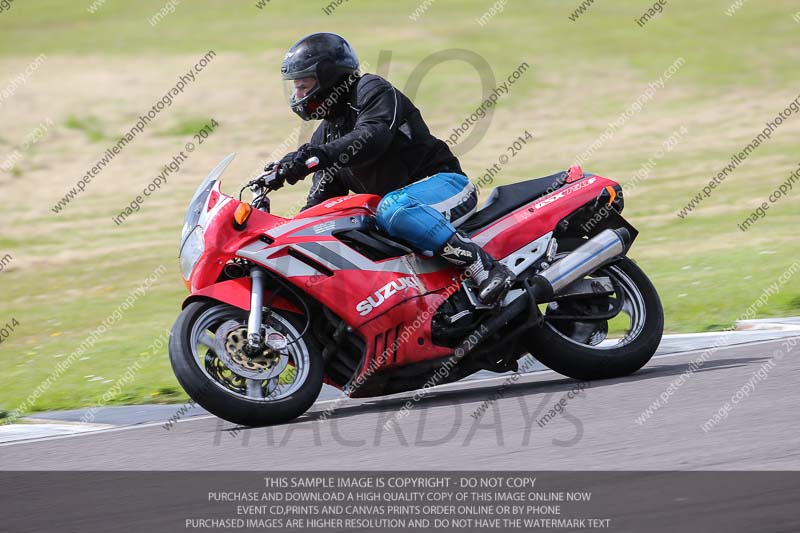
426	213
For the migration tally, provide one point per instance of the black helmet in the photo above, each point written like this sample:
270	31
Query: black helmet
324	61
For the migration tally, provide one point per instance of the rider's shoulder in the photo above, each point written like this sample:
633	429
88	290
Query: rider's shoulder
372	84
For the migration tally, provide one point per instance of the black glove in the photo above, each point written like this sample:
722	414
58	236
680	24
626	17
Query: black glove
293	167
274	181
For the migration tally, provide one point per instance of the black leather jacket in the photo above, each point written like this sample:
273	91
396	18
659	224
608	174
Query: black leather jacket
377	142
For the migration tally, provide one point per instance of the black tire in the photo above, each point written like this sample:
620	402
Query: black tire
585	362
224	403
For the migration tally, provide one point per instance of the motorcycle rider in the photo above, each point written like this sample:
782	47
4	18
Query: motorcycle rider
372	139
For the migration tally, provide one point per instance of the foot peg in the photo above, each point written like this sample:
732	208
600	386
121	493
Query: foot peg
496	284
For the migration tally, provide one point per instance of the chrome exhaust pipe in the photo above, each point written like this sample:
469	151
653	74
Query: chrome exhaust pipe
601	248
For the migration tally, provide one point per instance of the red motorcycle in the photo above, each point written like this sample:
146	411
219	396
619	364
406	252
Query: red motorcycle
279	306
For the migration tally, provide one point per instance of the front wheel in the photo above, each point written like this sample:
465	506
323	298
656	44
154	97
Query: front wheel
600	348
273	387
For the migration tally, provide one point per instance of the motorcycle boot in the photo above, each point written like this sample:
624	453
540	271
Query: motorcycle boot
491	276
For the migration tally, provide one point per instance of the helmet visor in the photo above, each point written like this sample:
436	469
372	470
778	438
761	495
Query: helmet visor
301	89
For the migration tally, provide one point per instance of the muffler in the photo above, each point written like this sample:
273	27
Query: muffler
540	288
601	248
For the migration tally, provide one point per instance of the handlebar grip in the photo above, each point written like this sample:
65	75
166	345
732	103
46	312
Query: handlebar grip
311	162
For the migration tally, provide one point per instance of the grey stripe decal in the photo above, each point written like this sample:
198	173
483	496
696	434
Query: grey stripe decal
285	228
286	265
325	255
490	233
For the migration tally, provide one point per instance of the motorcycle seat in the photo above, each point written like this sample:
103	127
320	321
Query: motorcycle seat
507	198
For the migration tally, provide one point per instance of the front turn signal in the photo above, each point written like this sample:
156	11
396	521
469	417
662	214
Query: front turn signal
241	215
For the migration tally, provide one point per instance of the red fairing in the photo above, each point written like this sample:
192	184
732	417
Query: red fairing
533	220
390	303
403	335
222	240
236	292
342	203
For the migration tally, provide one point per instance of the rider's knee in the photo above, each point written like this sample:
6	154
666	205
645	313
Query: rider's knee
455	179
392	207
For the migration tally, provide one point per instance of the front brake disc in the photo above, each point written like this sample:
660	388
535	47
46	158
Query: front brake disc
230	342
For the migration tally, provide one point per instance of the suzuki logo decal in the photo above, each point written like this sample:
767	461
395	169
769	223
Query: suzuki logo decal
368	305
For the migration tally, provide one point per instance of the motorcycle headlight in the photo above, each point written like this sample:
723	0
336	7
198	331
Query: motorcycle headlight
192	249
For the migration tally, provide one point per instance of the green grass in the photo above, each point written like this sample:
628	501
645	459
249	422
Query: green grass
72	270
90	125
187	126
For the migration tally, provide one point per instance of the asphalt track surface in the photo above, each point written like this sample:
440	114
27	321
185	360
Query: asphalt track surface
597	431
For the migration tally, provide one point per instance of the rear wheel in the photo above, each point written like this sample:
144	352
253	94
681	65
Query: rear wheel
273	387
600	348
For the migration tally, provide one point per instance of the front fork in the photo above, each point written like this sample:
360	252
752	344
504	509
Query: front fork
254	340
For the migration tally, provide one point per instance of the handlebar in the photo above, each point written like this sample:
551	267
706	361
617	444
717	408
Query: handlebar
261	181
